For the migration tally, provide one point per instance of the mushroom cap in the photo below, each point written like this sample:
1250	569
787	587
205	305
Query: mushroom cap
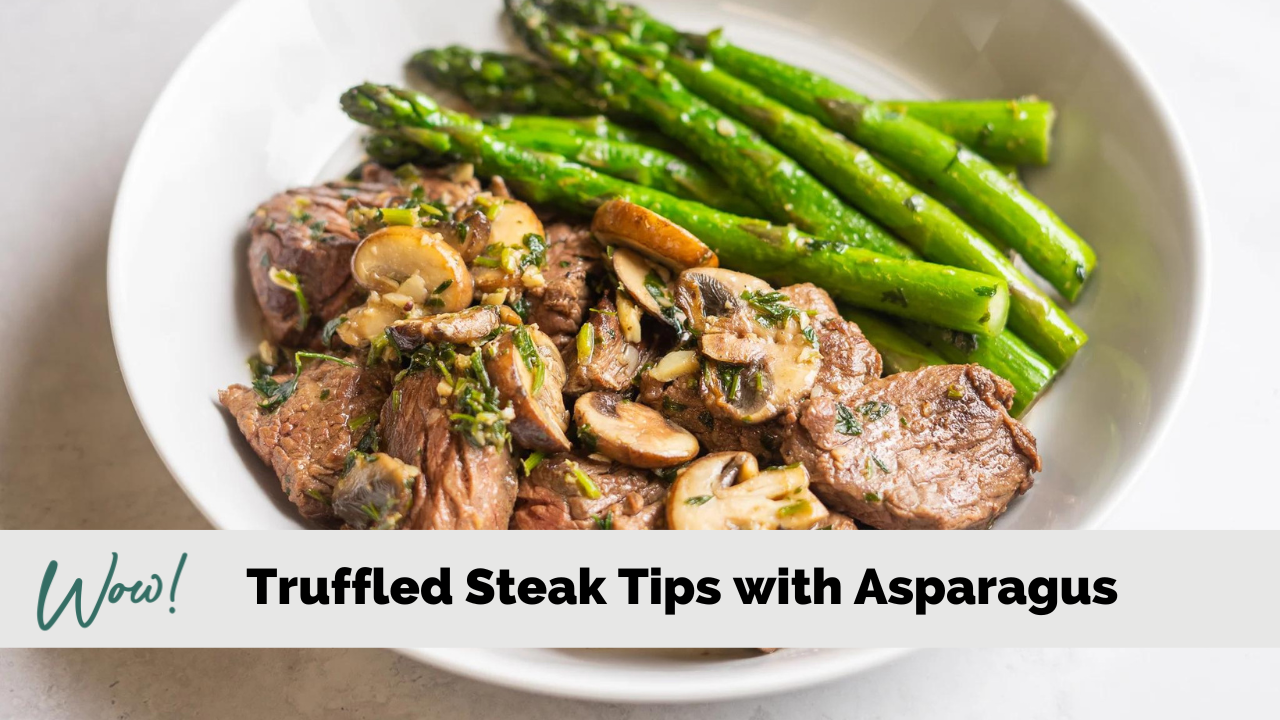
459	328
376	492
510	222
760	358
391	256
631	433
728	491
521	373
647	285
706	294
620	222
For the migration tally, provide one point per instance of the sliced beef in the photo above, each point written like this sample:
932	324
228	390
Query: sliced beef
306	232
553	498
574	262
614	362
934	448
462	486
452	186
306	439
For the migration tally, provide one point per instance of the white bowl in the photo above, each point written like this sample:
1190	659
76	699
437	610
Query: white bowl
254	110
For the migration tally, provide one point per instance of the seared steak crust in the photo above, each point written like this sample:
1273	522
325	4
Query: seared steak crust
934	448
551	498
462	486
306	440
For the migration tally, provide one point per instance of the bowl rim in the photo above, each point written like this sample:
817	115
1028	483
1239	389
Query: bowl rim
827	666
638	687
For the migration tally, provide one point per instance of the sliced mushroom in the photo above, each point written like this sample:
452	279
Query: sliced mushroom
619	222
460	328
369	320
762	358
728	491
469	234
631	433
648	285
390	257
520	372
502	261
708	294
376	493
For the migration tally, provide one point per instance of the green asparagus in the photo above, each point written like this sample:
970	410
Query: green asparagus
1051	248
639	164
960	299
913	215
596	126
749	164
1003	354
496	82
1015	132
899	351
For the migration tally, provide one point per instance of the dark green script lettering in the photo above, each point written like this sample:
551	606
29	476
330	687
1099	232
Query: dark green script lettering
139	592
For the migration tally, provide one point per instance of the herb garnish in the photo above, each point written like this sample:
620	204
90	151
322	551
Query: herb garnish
874	410
326	335
535	458
532	360
772	308
583	481
846	423
287	280
275	393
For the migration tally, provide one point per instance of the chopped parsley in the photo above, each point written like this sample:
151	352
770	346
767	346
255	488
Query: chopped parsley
730	380
330	328
773	309
274	393
846	423
479	414
532	360
698	500
874	410
871	497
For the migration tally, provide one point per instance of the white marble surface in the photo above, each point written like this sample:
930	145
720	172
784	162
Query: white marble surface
77	81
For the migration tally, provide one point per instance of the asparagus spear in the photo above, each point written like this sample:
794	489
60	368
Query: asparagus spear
914	216
960	299
899	351
1015	132
906	345
496	82
1055	251
597	126
639	164
1003	354
749	164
